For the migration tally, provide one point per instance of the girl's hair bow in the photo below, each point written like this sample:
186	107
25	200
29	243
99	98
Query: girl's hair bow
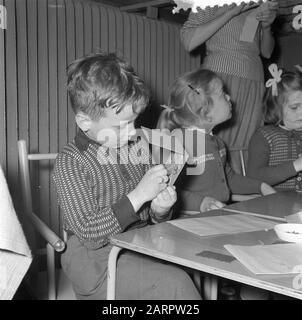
276	74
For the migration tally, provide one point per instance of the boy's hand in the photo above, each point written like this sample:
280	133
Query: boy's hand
153	182
209	203
164	201
266	189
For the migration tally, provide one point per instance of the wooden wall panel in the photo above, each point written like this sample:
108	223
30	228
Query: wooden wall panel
2	100
42	38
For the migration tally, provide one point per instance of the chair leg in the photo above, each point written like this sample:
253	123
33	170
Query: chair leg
51	269
210	288
111	272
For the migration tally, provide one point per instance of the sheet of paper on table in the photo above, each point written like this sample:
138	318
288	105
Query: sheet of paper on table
228	224
167	150
269	259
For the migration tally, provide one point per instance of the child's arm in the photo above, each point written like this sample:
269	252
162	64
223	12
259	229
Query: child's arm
90	222
203	25
258	163
152	183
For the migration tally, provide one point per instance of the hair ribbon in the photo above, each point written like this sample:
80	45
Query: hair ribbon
276	74
167	107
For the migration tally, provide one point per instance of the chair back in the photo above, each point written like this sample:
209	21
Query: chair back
54	242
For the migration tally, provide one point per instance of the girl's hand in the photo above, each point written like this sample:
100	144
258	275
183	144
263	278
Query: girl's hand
268	14
266	189
209	203
164	201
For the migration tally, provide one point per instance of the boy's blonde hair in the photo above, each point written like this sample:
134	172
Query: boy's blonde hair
189	99
103	81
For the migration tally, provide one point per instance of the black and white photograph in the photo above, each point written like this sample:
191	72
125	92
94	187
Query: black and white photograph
150	153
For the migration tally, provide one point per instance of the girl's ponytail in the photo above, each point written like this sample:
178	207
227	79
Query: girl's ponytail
167	119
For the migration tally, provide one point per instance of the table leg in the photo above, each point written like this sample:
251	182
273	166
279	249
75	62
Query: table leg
210	287
111	272
196	279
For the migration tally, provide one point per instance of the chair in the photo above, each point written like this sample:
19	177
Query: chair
59	287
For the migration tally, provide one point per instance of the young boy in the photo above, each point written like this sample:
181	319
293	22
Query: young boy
103	189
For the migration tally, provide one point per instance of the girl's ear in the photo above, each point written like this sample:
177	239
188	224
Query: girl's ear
205	116
83	121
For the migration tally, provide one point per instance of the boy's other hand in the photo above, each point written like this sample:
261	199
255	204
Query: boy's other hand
153	182
209	203
266	189
164	201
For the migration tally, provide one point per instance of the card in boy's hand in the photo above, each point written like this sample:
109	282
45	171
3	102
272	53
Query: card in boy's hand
168	150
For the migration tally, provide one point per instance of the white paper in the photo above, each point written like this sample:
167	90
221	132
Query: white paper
15	255
167	150
227	224
269	259
251	24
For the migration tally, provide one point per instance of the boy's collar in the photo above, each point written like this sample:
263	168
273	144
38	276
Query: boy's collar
82	141
284	127
200	130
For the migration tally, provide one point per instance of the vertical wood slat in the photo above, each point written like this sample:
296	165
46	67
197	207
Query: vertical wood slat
111	31
153	60
133	41
22	71
127	37
119	32
62	93
71	55
44	36
96	35
159	62
43	108
87	22
104	29
11	96
2	101
53	9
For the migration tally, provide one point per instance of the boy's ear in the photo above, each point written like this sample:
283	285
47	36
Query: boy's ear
83	121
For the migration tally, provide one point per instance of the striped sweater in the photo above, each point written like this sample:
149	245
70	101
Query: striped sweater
225	52
92	189
272	151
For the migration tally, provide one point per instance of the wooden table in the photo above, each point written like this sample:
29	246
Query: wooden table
206	254
275	206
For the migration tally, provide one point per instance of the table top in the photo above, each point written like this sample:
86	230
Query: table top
275	206
206	254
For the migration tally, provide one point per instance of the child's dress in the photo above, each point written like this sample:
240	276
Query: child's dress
217	180
272	151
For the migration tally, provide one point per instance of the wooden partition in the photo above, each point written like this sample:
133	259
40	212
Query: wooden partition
41	39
